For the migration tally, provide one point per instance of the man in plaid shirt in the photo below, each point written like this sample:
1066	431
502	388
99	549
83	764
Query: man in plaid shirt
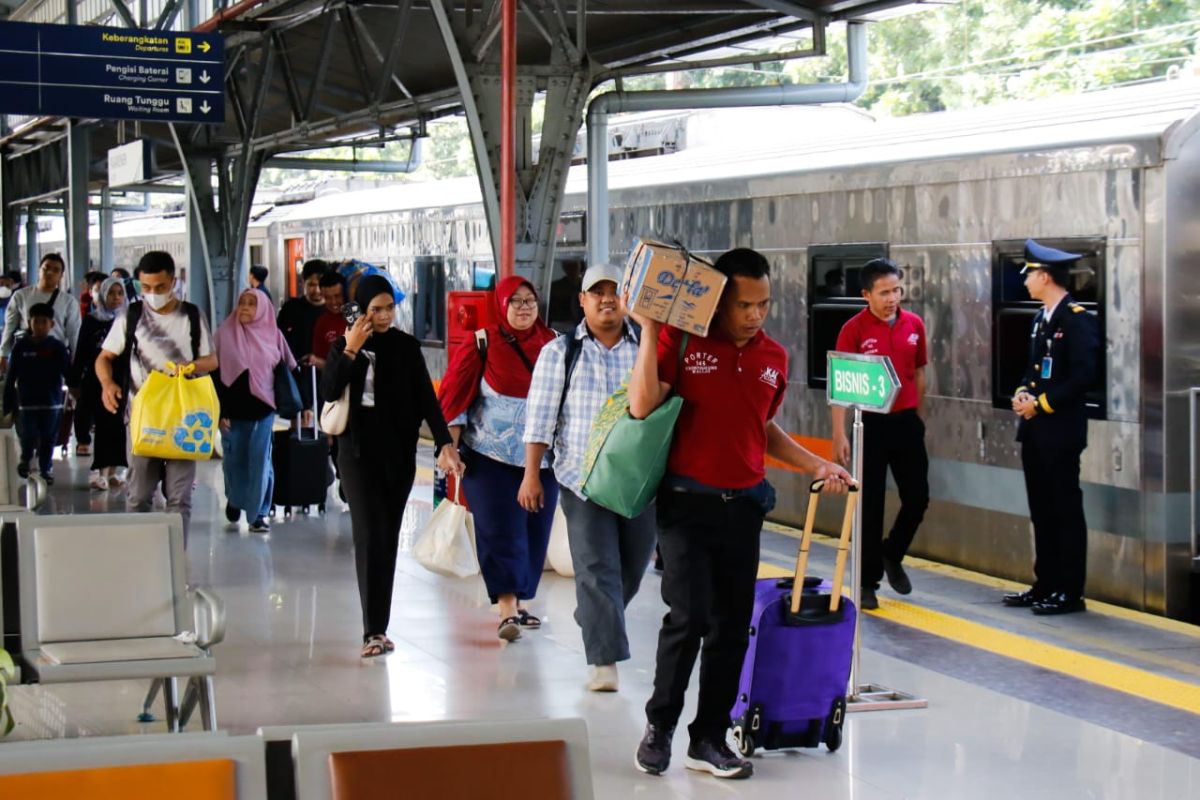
610	553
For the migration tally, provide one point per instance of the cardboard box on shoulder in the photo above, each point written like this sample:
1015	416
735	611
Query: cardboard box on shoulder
672	287
653	273
697	297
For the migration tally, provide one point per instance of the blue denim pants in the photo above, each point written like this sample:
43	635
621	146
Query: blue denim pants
38	430
246	462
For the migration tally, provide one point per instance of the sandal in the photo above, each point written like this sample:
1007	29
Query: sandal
375	646
510	629
388	644
528	620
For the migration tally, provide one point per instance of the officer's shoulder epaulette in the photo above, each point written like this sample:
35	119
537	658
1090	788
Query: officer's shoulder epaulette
1076	308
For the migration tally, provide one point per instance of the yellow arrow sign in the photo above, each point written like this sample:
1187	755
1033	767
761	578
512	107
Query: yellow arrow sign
204	46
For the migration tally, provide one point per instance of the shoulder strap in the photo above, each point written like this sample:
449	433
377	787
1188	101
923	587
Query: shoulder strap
570	361
481	344
515	345
53	297
132	315
193	315
683	343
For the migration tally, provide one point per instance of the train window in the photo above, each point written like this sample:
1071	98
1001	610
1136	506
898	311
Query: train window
429	304
834	296
483	276
1013	311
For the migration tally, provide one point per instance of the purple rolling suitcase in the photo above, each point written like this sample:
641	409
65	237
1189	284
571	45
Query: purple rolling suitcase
794	679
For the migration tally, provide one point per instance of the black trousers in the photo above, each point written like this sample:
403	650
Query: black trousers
1056	510
710	554
895	441
377	489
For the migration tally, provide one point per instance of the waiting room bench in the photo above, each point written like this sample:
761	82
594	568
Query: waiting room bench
203	766
448	760
105	597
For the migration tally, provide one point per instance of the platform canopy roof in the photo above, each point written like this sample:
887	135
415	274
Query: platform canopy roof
343	69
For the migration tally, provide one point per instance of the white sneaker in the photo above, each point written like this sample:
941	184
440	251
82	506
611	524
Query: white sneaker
97	481
603	678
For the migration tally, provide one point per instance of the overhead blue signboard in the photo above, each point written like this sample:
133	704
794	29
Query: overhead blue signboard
111	73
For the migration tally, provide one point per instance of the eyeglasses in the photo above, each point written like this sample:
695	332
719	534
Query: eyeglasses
517	302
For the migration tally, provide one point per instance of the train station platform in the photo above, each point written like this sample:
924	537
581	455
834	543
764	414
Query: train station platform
1104	704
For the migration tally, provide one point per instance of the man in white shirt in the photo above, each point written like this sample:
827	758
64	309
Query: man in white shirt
46	290
165	329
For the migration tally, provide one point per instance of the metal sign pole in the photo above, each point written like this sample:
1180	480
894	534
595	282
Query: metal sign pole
863	382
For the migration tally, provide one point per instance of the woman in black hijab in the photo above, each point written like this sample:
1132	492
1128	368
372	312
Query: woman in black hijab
390	394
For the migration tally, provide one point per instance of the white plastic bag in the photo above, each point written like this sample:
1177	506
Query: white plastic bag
558	554
447	544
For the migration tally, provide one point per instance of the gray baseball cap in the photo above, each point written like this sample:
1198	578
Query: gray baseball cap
602	272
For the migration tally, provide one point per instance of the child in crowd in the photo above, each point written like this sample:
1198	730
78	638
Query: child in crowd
36	373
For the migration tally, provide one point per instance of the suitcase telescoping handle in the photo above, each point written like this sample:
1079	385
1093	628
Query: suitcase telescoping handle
316	405
839	570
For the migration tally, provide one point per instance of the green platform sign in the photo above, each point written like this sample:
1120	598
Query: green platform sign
859	381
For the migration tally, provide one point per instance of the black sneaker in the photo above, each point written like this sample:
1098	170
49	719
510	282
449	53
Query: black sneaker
48	478
897	578
23	471
867	600
654	752
260	525
232	514
715	757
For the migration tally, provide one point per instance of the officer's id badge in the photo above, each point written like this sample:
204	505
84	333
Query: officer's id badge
1047	367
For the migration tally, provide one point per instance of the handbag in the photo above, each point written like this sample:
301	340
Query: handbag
336	415
287	393
446	545
174	416
626	458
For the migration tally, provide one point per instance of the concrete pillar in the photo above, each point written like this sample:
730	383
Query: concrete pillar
32	256
9	224
106	231
78	168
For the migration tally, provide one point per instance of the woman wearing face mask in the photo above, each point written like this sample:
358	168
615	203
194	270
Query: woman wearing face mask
108	453
483	395
390	395
249	346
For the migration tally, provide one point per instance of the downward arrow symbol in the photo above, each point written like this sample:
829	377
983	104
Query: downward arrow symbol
205	77
205	107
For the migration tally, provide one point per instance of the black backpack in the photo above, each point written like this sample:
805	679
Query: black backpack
134	315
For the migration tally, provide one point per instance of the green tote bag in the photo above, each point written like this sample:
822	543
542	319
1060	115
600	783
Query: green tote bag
626	458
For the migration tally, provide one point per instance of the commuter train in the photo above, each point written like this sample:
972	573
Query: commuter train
951	197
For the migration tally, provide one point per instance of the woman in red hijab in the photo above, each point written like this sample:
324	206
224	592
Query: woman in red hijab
483	397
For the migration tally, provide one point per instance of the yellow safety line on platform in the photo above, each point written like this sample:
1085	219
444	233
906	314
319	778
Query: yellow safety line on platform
1100	671
1108	609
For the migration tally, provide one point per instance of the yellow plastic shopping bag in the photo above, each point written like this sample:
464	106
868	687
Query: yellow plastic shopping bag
175	416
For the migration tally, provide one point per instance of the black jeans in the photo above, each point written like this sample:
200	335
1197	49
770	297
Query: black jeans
710	554
377	488
896	441
1056	510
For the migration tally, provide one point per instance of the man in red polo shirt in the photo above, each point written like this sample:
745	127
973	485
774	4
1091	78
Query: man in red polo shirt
895	440
711	505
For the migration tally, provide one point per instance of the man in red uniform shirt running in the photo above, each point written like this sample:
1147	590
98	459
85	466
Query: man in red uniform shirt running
711	505
896	439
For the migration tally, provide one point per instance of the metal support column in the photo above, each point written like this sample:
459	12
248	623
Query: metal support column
106	231
538	184
32	256
9	224
508	121
78	168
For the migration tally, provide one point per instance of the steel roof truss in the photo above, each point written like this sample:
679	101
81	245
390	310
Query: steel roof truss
322	68
388	71
167	17
289	77
345	15
122	11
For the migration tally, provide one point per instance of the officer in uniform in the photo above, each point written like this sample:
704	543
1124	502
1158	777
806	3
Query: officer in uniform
1063	359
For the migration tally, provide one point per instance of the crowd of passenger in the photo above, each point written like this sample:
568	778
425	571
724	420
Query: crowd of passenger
511	418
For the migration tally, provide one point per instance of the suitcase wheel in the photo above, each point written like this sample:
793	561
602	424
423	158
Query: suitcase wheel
833	725
744	741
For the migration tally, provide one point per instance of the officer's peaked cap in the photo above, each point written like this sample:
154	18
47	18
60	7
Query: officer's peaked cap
1038	256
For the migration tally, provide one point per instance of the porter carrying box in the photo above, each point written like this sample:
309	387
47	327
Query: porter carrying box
669	285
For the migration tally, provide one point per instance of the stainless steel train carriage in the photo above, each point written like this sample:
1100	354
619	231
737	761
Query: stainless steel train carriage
951	197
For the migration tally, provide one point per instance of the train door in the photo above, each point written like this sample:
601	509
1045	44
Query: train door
295	262
563	312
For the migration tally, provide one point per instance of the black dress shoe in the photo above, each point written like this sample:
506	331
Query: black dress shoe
897	578
1021	599
1059	603
867	600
